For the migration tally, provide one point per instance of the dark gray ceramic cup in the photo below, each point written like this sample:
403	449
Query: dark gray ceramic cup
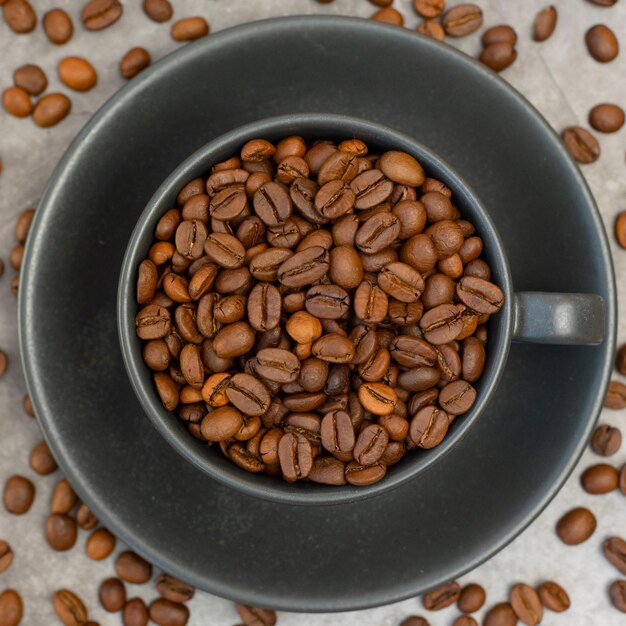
526	316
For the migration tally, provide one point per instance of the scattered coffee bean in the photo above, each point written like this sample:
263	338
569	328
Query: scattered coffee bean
6	557
69	608
526	604
11	608
604	3
429	8
64	498
41	459
617	594
545	23
600	479
17	254
471	598
252	616
22	225
77	73
99	14
27	406
498	56
620	360
606	440
620	228
380	3
602	43
615	395
18	496
135	613
4	363
19	16
58	26
131	568
16	102
462	20
100	544
501	614
499	34
158	10
166	613
606	118
31	78
85	518
576	526
415	620
553	596
134	61
61	532
581	144
190	29
441	597
173	589
431	29
389	15
614	549
51	109
112	595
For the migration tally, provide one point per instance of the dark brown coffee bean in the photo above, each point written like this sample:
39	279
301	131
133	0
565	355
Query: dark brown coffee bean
606	118
526	604
429	8
304	267
346	268
614	549
602	43
432	29
22	225
173	589
253	616
313	374
545	23
190	238
334	199
272	203
473	362
248	394
370	444
147	280
233	340
441	597
166	613
581	144
58	26
41	459
19	16
412	352
480	295
606	440
31	78
60	531
112	595
464	620
16	101
498	56
617	594
18	496
6	558
152	322
131	568
69	608
100	544
553	596
401	282
328	471
278	365
419	378
370	303
190	29
502	614
333	348
599	479
134	61
337	433
99	14
135	613
361	475
462	20
442	324
371	188
429	427
328	302
620	228
457	397
377	233
615	395
471	598
498	34
226	250
85	518
158	10
576	526
295	456
401	168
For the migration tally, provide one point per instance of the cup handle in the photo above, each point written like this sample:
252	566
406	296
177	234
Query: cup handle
559	318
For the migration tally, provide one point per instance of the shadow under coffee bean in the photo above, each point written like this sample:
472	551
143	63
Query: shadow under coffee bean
316	310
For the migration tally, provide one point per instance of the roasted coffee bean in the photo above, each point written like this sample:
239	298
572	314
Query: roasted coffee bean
498	56
620	228
18	496
576	526
442	324
615	396
16	101
135	613
225	250
428	427
464	620
277	365
6	559
457	397
225	422
19	16
429	8
362	475
471	598
498	34
60	531
432	29
100	544
602	43
545	23
473	361
41	459
112	595
370	303
253	616
553	596
173	589
85	518
412	352
439	289
22	225
134	61
158	10
480	295
31	78
190	29
462	20
304	268
614	549
581	144
337	433
64	497
77	73
99	14
370	188
334	199
501	614
401	282
327	302
333	348
377	233
617	594
69	608
166	613
526	604
272	203
606	440
370	444
388	15
295	456
233	340
377	398
328	471
604	3
599	479
441	597
131	568
152	322
606	118
419	378
11	608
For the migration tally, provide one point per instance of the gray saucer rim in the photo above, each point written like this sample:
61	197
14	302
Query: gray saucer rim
26	317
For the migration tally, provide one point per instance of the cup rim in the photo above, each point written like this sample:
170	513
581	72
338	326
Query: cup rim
172	428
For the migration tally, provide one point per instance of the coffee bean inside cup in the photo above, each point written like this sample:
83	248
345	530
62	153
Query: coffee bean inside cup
316	310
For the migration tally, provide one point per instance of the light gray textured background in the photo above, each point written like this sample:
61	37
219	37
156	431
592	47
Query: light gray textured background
559	78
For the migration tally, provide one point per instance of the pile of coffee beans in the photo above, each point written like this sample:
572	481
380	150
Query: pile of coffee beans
315	309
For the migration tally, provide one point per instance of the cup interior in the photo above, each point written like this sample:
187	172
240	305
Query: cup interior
310	126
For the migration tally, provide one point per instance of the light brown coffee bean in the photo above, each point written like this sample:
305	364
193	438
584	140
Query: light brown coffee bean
173	589
131	568
41	459
69	608
471	598
18	495
441	597
497	34
432	29
606	118
6	559
31	78
64	498
51	109
600	479
99	14
614	549
58	26
190	29
553	596
377	398
606	440
253	616
545	23
615	395
19	16
11	608
134	61
158	10
16	102
526	604
61	531
85	518
462	20
498	56
112	595
581	144
429	8
389	15
100	544
602	43
576	526
501	614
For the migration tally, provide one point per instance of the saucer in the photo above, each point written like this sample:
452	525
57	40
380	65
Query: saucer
354	555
